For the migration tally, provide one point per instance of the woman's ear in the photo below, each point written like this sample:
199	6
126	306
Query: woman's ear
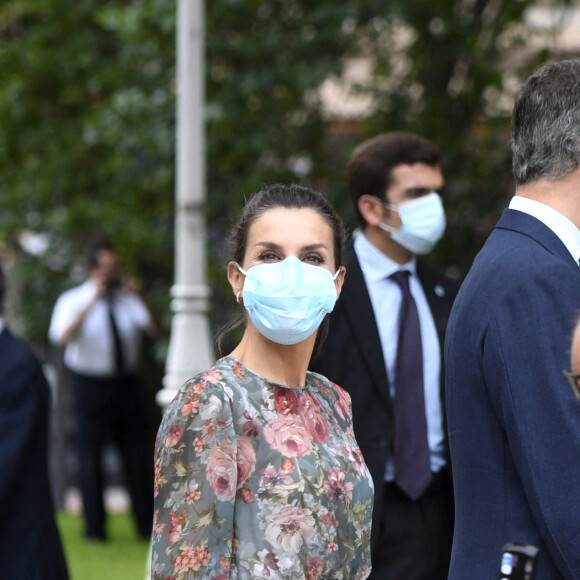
236	280
339	280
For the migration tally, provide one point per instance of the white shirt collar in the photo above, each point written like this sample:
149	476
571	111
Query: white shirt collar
568	233
1	324
376	265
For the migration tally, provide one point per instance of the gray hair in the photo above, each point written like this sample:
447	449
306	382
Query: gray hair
546	124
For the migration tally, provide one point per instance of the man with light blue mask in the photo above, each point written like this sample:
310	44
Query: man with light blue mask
385	347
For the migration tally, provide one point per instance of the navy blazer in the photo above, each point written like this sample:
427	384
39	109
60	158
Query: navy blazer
352	357
514	424
30	545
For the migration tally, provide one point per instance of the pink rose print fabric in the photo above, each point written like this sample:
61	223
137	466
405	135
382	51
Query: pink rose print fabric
256	480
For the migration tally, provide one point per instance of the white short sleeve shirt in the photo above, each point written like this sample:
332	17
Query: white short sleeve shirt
91	351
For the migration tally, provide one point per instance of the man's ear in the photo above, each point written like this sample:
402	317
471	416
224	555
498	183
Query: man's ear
371	209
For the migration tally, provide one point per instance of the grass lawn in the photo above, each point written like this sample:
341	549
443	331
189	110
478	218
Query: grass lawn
122	557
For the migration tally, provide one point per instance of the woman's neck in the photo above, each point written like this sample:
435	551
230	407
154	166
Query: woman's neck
283	364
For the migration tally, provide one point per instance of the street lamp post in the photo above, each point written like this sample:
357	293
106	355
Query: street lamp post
190	349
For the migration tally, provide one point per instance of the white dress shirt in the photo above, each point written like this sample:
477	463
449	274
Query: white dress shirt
91	350
568	233
385	295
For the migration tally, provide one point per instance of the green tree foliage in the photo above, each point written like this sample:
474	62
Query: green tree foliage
86	140
87	121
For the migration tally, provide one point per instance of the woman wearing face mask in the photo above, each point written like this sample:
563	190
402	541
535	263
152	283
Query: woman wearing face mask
257	472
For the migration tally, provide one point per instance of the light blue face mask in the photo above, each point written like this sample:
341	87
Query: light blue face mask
287	300
422	223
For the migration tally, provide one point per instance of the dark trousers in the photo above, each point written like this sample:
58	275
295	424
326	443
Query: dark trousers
414	538
111	410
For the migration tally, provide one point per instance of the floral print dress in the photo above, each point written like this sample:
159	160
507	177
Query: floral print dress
258	480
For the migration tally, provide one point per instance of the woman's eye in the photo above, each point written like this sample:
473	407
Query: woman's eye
268	256
313	259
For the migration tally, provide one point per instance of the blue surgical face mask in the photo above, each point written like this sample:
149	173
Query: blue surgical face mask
422	223
287	300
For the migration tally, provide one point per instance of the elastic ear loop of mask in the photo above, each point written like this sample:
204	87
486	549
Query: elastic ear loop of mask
383	226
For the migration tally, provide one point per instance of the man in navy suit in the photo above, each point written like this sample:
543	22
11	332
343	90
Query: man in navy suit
29	540
514	425
393	181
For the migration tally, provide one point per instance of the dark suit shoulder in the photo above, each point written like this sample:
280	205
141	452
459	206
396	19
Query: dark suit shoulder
440	291
15	351
428	274
20	368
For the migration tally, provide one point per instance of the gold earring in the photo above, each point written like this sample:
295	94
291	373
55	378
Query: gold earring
239	299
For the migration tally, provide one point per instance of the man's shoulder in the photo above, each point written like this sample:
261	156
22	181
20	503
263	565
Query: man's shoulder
130	296
17	350
511	265
9	340
520	251
76	292
433	276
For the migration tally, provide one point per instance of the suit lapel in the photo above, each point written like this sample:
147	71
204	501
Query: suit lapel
359	312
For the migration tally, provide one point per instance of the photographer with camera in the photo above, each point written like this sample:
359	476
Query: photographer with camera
100	323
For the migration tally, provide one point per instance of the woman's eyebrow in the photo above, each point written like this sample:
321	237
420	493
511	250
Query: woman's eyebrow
271	245
307	248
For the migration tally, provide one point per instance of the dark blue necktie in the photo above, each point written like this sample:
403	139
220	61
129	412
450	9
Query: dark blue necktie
117	344
411	448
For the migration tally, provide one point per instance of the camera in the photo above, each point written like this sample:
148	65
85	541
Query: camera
113	284
518	561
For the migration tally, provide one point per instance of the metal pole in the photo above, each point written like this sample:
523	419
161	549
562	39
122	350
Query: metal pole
189	342
190	349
